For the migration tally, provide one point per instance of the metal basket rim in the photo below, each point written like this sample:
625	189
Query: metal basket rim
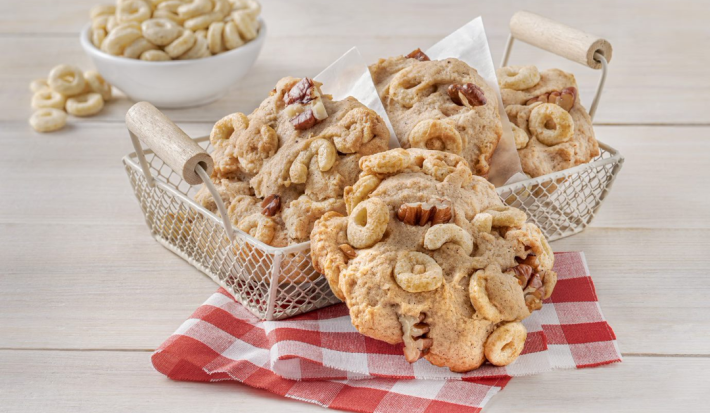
130	160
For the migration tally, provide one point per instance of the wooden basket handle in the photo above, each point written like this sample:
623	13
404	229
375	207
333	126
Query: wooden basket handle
559	39
168	141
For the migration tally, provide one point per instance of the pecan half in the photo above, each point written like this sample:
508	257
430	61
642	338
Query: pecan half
414	330
522	272
271	205
468	95
564	98
423	213
304	120
301	92
419	55
348	250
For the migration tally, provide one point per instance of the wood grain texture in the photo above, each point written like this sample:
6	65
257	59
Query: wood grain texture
125	381
654	42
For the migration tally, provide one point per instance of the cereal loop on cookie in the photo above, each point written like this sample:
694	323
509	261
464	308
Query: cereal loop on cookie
67	80
357	193
497	296
225	127
258	226
367	223
48	120
416	272
85	105
505	343
437	135
359	126
550	124
520	136
438	235
518	77
389	162
506	216
326	155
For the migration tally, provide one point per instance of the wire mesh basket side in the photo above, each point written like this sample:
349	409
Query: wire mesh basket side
564	203
272	284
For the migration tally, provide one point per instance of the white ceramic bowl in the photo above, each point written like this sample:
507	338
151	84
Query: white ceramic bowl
176	83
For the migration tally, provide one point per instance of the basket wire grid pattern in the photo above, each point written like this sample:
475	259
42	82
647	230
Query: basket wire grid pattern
277	283
564	203
273	283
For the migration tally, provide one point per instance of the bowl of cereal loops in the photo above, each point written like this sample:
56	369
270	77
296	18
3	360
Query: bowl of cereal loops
174	53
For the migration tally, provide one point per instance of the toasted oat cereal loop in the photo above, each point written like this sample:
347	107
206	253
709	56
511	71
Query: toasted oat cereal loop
250	7
549	114
38	84
520	136
133	11
258	226
97	37
135	49
98	84
47	98
85	105
230	36
436	135
160	32
388	162
505	343
48	120
167	14
225	127
323	149
155	56
247	25
198	50
119	38
203	21
67	80
506	216
100	22
194	8
181	45
214	37
438	235
518	77
367	223
416	272
358	192
102	10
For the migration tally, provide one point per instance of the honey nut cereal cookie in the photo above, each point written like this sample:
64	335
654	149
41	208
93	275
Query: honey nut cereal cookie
286	164
442	105
429	256
552	129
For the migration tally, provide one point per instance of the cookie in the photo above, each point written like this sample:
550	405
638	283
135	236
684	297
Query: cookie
288	162
430	257
440	105
554	131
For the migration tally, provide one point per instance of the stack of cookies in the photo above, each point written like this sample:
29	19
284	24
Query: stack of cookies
414	240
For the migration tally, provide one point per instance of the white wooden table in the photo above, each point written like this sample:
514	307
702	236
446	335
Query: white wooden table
86	294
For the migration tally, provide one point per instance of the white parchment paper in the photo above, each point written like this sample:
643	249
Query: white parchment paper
469	44
349	76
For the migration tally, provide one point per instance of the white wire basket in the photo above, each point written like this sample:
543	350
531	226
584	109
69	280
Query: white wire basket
277	283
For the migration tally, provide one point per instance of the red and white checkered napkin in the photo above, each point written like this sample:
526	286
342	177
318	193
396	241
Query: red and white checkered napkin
320	358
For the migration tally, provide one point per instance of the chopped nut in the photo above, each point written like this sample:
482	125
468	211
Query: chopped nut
318	109
424	213
304	120
564	98
416	344
348	250
468	95
271	205
302	92
522	272
419	55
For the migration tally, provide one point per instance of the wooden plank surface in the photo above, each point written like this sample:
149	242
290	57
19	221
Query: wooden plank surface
650	48
78	267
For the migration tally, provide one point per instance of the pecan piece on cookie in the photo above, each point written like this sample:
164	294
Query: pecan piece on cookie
423	213
302	92
466	95
419	55
304	120
271	205
564	98
414	330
